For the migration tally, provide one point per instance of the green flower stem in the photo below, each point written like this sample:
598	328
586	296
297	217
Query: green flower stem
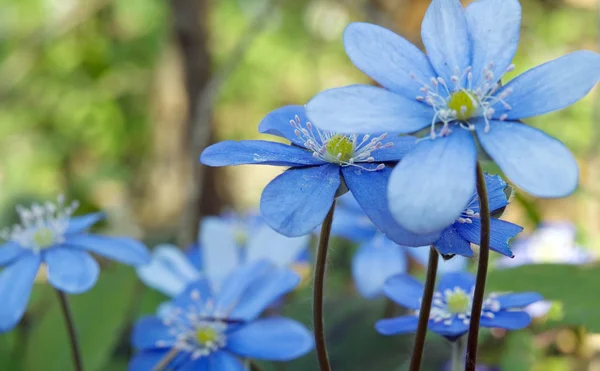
318	288
75	352
484	252
417	354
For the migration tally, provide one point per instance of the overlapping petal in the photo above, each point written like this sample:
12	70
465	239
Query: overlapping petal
507	320
220	251
463	280
151	333
500	233
398	325
278	123
170	270
452	242
122	249
265	243
10	251
78	224
71	270
401	145
404	290
518	300
16	281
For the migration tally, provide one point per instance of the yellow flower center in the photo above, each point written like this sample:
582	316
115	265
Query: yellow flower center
207	336
464	104
458	302
44	237
340	147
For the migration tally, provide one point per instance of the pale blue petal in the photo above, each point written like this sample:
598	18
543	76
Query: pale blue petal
150	333
273	339
9	252
258	152
537	163
494	27
446	37
370	190
375	262
387	58
145	361
551	86
451	242
398	325
456	264
265	243
507	320
237	283
199	292
82	223
518	300
500	233
404	290
70	270
367	109
122	249
221	361
401	145
16	281
420	254
278	123
463	280
350	225
297	201
431	186
169	272
220	252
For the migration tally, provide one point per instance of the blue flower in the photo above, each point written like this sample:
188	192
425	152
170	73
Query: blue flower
225	243
49	234
456	90
378	258
320	165
218	331
451	309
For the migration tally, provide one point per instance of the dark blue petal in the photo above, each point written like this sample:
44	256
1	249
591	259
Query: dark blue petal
537	163
375	262
495	189
463	280
431	186
259	152
273	339
122	249
401	145
204	364
145	361
367	109
78	224
220	251
500	233
221	361
16	281
551	86
387	58
297	201
150	333
446	38
404	290
70	270
277	123
370	190
453	330
9	252
398	325
507	320
519	300
451	242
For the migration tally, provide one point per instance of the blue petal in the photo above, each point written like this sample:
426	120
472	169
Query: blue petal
551	86
78	224
500	233
145	361
519	300
446	38
221	361
9	252
370	190
220	252
404	290
122	249
451	242
198	292
280	250
277	123
456	264
463	280
169	272
387	58
238	282
297	201
259	152
263	292
507	320
398	325
273	339
420	254
70	270
495	190
204	364
367	109
350	221
150	333
534	161
494	27
375	262
16	282
455	329
401	145
431	186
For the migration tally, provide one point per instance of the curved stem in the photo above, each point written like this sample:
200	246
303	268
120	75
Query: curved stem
417	354
319	283
75	352
484	252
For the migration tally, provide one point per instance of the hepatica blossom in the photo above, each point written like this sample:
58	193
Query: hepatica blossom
451	308
48	234
321	165
456	90
218	331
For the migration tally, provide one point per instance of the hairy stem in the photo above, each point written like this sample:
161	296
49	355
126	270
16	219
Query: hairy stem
75	352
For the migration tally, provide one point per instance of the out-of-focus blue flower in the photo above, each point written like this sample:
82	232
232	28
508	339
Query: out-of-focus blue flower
378	258
321	164
448	367
451	309
49	234
224	244
218	331
456	90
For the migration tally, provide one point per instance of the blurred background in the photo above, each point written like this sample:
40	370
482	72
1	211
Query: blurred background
111	102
